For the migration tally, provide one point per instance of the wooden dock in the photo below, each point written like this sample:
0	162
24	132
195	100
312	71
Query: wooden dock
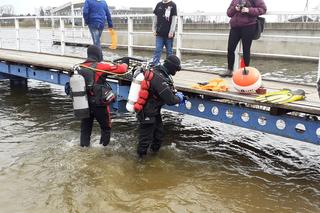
184	80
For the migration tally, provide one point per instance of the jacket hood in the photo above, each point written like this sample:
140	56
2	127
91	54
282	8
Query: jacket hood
94	54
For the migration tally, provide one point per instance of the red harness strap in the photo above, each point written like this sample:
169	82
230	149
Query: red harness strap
144	91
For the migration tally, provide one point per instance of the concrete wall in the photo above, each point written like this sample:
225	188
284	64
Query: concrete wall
267	45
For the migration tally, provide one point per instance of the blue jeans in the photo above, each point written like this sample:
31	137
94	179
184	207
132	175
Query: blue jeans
160	42
96	34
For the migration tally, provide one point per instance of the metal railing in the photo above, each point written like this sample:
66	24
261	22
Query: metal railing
130	31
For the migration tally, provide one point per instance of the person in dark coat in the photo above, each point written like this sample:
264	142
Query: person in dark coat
95	14
161	92
243	14
93	72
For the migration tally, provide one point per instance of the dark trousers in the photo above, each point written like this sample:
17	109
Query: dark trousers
246	35
102	115
150	134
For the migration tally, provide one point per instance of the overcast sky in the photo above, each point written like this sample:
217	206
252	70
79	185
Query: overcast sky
28	6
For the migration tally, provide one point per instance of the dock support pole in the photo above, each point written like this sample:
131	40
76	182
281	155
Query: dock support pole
18	83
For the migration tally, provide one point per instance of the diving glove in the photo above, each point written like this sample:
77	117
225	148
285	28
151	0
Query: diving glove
282	96
181	97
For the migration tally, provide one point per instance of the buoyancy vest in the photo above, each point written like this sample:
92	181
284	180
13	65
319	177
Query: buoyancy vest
144	91
152	105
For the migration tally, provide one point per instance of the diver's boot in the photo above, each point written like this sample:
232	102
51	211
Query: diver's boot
105	137
155	147
226	73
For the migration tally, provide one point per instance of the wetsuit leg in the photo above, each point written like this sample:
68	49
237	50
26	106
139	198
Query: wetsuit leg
234	38
146	132
247	34
86	129
102	115
158	134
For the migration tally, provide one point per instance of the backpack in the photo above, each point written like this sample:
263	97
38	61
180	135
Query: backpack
99	94
260	25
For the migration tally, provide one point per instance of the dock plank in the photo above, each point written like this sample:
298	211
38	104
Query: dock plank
183	79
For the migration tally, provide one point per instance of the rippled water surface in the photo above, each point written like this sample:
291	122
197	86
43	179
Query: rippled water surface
202	167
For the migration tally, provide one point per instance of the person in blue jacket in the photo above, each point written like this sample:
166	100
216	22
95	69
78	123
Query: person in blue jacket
95	14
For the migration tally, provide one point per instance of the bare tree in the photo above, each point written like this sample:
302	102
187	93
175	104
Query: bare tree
6	10
306	8
41	12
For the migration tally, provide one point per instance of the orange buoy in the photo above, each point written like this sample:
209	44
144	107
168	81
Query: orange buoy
246	80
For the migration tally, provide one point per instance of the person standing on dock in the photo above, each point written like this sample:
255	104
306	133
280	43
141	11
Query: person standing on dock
163	27
243	23
161	91
95	14
95	73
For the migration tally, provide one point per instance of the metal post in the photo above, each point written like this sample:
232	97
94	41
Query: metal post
130	36
73	24
62	36
38	34
16	24
82	28
237	59
179	36
318	69
52	27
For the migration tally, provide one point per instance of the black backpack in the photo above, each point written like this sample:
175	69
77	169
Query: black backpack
99	93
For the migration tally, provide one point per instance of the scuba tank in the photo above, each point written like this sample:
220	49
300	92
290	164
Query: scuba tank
79	96
134	90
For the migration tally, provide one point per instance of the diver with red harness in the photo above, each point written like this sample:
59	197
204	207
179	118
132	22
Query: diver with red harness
98	92
157	89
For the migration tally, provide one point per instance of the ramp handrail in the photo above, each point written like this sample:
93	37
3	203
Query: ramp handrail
180	33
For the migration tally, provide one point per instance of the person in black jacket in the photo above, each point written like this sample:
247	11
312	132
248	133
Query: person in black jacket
97	91
163	28
161	92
